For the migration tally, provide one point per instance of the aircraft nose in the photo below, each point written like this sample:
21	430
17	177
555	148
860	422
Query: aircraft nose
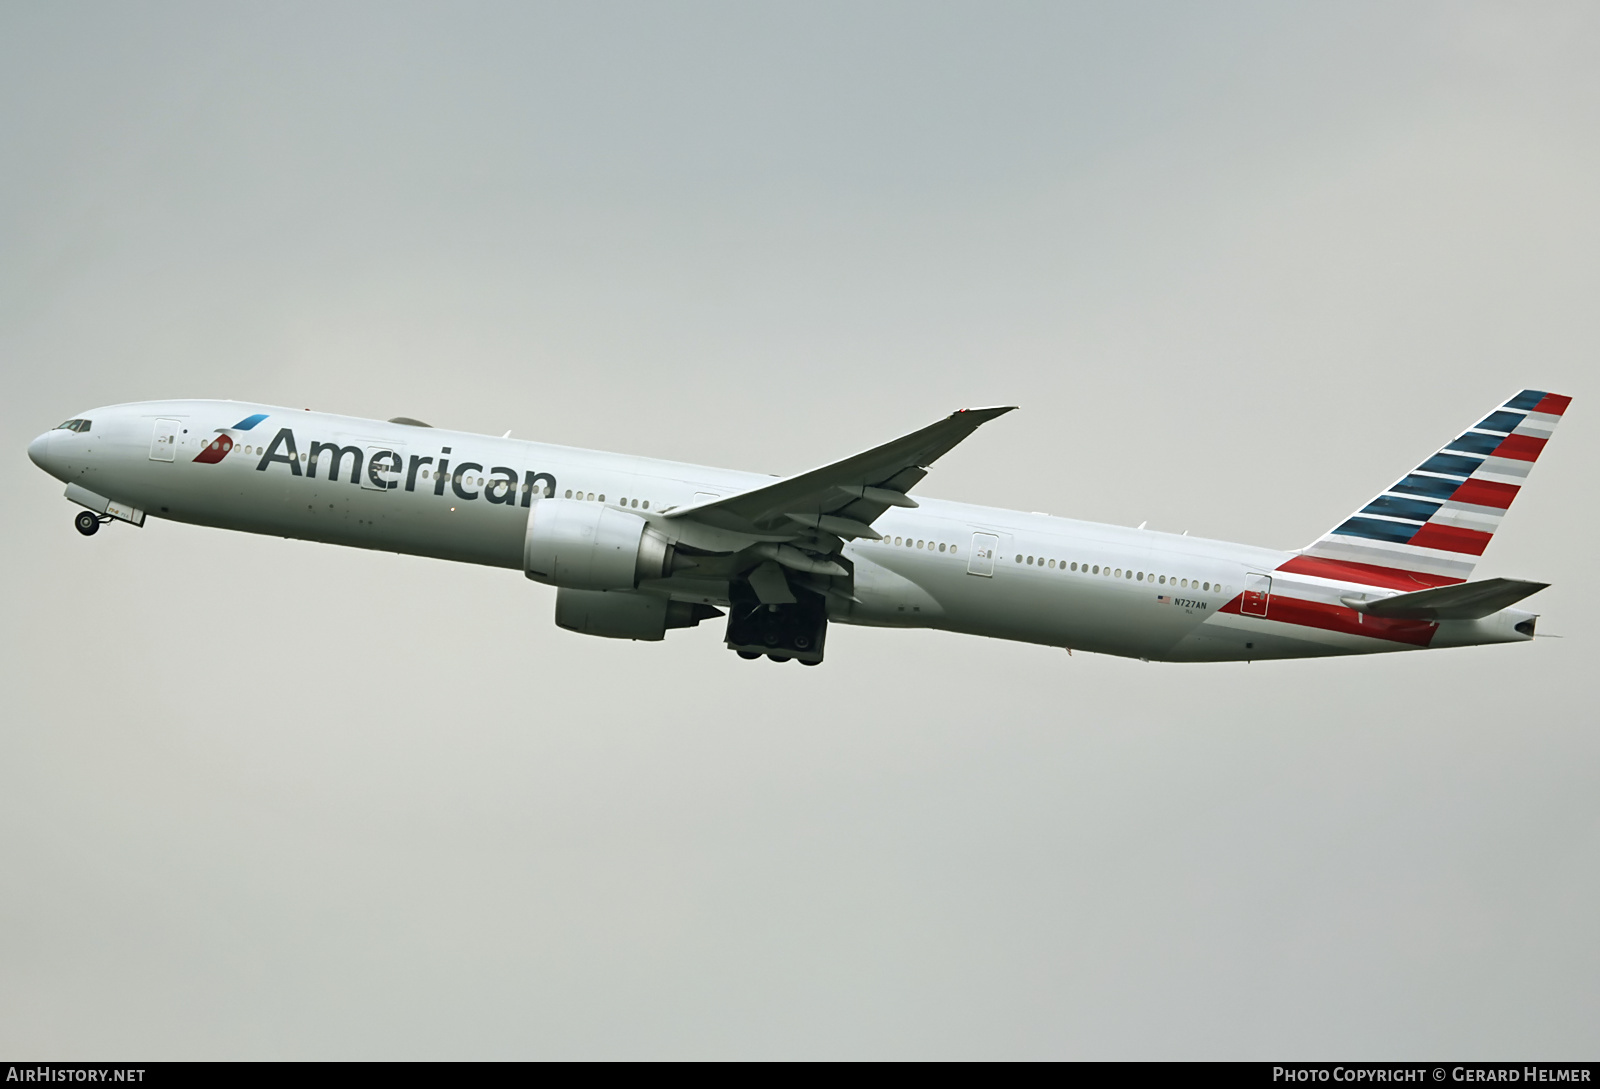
39	452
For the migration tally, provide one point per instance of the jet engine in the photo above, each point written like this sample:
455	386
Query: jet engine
626	614
590	546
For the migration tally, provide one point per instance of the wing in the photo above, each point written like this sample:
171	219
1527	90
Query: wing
843	498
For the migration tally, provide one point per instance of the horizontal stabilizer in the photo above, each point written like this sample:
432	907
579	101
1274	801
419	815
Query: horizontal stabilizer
1465	601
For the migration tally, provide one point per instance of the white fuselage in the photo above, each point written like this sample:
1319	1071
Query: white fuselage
946	565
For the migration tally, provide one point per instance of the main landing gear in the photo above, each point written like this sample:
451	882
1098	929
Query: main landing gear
780	632
88	522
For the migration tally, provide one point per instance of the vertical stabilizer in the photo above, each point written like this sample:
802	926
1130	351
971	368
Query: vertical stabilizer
1429	528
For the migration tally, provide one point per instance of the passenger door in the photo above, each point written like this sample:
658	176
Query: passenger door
383	475
981	560
164	443
1257	594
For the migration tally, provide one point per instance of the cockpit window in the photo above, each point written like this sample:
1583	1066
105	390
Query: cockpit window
74	425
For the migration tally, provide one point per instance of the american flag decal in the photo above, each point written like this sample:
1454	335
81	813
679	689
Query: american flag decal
1164	599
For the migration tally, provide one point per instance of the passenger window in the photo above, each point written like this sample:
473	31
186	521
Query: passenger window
569	493
1141	576
1096	570
952	550
647	504
941	547
1019	557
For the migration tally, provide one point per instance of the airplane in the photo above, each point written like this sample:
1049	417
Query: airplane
636	547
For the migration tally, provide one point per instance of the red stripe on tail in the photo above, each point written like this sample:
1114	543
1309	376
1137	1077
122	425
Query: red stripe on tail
1554	403
1451	539
1520	448
1366	574
1340	618
1485	493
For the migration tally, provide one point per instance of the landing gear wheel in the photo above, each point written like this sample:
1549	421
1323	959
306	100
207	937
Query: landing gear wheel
749	655
778	657
88	523
809	661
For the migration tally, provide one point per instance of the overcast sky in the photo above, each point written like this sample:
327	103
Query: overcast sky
1242	265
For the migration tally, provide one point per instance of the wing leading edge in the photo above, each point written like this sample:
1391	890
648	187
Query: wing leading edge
845	497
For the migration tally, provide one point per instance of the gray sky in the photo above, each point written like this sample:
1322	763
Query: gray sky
1241	265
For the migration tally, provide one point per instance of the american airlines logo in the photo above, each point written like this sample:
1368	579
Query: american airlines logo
388	470
218	448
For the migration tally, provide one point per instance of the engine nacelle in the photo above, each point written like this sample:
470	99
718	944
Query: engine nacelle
590	546
626	614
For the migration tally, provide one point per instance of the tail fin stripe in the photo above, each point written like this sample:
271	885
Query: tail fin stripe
1451	465
1553	403
1528	400
1415	510
1375	530
1502	421
1483	519
1451	539
1516	471
1367	574
1521	447
1431	486
1485	493
1474	442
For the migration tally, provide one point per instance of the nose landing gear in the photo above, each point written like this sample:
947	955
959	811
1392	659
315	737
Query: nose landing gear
88	522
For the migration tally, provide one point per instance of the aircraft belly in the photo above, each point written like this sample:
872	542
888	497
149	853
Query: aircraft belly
1035	606
1233	638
